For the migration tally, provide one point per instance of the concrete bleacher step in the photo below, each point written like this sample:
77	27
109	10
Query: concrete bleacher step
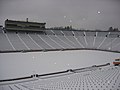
101	79
59	40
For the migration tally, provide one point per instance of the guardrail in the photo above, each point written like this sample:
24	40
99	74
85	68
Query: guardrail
46	50
72	71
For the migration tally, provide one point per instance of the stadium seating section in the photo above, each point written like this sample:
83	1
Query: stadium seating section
59	40
100	78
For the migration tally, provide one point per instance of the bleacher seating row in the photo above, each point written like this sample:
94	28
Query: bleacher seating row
107	78
59	39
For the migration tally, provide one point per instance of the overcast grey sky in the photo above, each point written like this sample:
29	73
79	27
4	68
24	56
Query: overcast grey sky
87	14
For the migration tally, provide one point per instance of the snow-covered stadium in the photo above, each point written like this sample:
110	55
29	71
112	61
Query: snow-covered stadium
54	40
93	77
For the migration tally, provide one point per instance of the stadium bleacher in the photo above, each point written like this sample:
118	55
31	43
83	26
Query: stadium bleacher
90	78
51	39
